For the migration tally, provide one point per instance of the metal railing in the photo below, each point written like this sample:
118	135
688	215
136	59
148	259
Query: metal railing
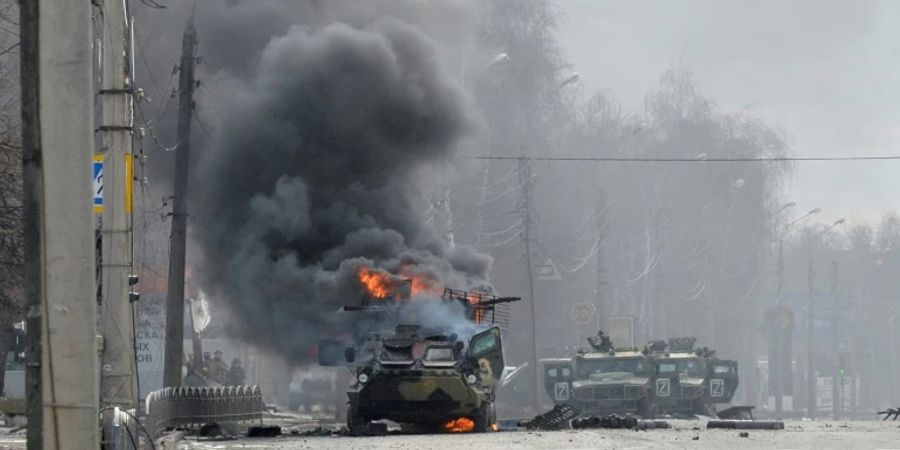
193	406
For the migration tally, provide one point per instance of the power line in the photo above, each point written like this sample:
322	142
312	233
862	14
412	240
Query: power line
9	49
690	160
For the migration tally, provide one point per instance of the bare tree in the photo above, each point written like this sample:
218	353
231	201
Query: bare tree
11	236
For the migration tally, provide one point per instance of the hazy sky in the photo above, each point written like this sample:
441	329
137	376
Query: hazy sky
827	72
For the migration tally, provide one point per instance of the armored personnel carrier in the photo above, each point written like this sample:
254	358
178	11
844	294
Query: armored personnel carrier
424	377
417	376
601	381
689	381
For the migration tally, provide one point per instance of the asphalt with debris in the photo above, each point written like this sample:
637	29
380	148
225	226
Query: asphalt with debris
683	434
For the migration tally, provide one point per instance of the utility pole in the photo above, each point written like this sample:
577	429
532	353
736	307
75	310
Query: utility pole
178	238
810	341
525	208
602	288
57	136
118	381
778	371
835	374
893	342
482	207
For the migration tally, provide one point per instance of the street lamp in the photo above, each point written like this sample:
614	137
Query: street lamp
780	335
573	77
810	329
499	59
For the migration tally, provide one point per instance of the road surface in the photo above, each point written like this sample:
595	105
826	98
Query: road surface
684	434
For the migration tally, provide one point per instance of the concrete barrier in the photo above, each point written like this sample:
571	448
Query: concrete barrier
193	406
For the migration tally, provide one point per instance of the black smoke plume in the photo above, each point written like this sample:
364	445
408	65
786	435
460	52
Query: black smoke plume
317	172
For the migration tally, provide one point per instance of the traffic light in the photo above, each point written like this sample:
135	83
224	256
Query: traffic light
843	363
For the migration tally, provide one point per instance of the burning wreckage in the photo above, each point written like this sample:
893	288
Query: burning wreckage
421	374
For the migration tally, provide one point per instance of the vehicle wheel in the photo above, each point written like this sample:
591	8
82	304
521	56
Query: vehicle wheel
482	419
700	408
356	425
645	409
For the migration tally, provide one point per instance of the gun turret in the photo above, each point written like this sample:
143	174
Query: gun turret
682	344
601	342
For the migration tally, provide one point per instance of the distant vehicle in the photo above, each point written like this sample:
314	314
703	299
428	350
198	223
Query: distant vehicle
689	381
602	381
662	378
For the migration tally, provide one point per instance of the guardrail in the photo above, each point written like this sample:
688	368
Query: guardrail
187	406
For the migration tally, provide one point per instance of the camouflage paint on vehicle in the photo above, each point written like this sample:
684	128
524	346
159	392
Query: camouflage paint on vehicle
416	377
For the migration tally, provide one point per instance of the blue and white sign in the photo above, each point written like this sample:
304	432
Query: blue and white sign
98	183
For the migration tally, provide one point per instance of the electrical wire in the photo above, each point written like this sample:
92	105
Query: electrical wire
693	160
9	49
153	4
135	419
500	232
152	134
506	241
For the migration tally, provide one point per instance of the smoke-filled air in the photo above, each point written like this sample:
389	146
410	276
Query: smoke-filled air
317	177
598	159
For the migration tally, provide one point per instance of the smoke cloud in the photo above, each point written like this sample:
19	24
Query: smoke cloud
317	171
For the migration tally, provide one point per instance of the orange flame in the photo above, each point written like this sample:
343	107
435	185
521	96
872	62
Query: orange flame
474	299
495	427
377	283
422	283
460	425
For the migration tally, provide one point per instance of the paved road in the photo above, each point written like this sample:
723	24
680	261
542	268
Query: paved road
684	434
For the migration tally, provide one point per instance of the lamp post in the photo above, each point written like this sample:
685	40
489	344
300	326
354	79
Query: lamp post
780	327
810	329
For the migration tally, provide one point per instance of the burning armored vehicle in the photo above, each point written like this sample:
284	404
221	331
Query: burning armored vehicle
416	376
423	376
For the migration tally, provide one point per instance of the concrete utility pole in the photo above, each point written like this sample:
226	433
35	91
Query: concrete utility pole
57	135
810	343
118	381
783	337
835	374
602	289
178	239
525	208
777	364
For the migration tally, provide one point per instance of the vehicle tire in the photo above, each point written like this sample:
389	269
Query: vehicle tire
483	419
645	409
700	408
357	425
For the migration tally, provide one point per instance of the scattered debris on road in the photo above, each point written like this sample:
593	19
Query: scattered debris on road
890	413
555	419
614	421
746	424
264	431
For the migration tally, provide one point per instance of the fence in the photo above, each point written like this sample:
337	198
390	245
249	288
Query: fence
187	406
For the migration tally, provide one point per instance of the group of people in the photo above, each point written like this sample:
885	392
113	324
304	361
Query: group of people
215	368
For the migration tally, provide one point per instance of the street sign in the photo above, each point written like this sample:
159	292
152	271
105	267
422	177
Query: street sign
548	271
98	184
583	313
620	330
